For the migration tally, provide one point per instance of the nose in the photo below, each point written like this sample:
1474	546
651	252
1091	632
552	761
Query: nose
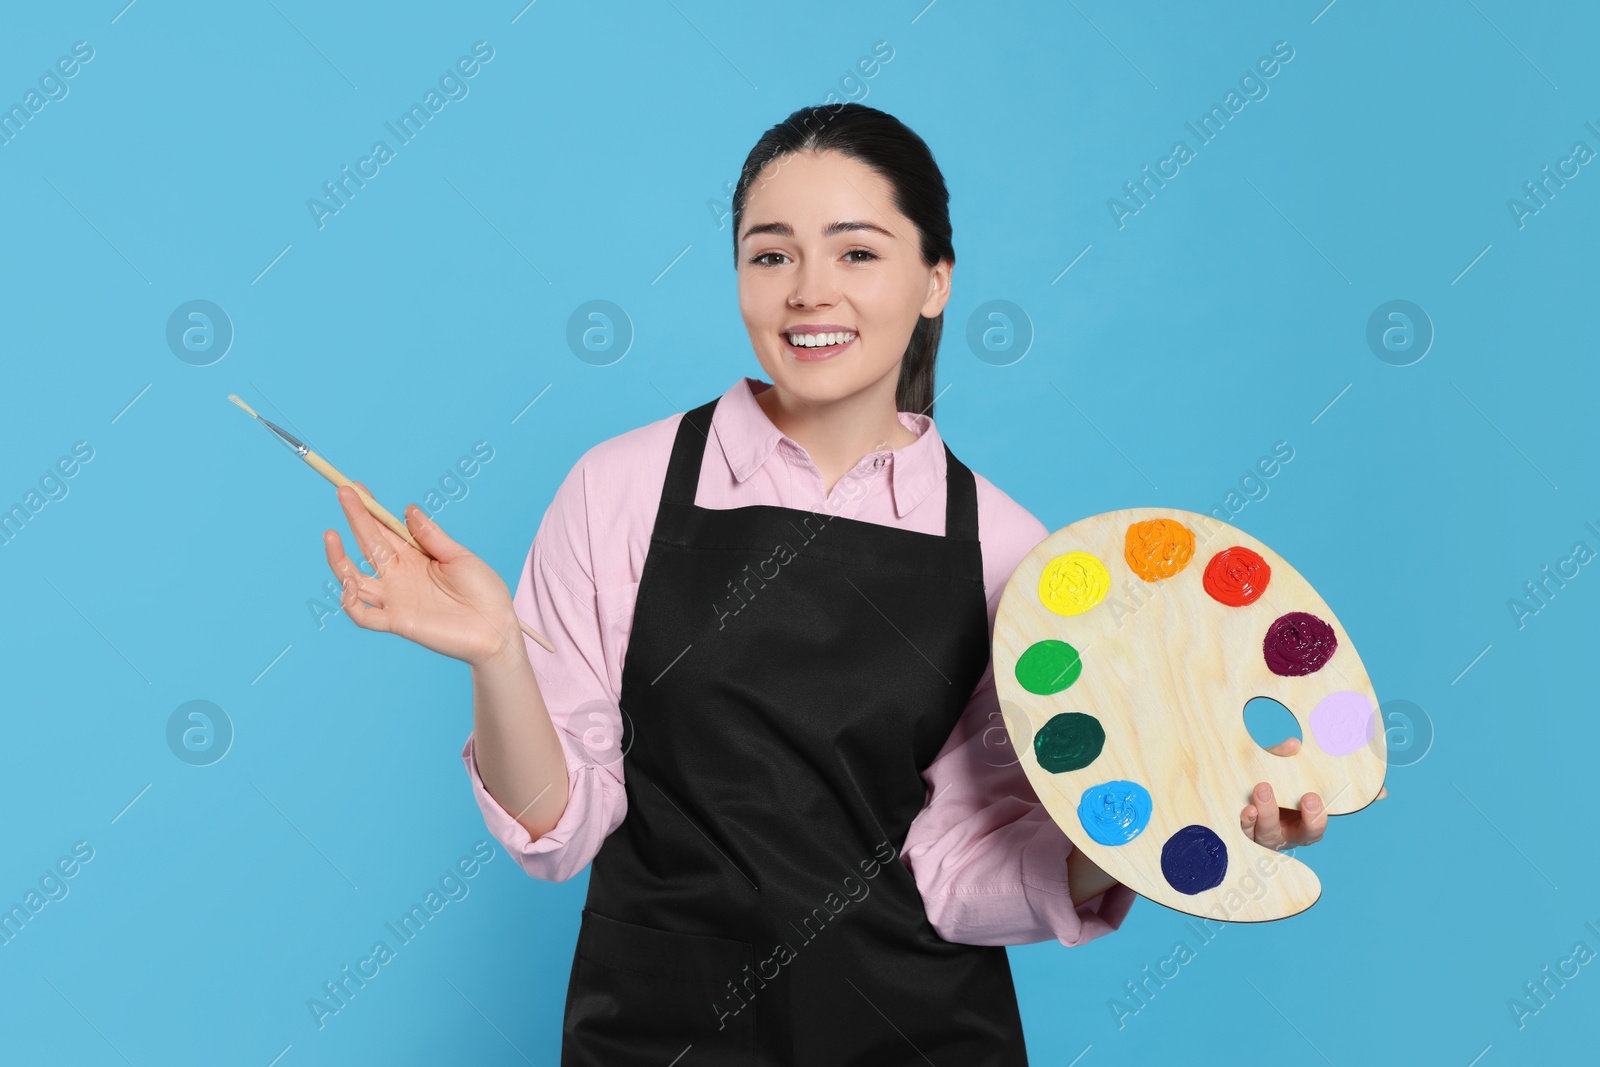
814	285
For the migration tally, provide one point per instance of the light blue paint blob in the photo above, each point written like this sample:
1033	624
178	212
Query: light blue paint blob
1114	813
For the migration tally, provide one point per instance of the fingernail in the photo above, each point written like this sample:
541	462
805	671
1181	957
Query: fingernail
1263	792
1313	804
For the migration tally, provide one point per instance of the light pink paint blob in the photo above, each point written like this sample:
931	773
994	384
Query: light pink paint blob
1343	723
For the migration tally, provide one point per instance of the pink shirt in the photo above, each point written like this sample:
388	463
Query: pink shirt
989	862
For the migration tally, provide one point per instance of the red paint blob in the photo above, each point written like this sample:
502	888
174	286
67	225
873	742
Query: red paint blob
1237	576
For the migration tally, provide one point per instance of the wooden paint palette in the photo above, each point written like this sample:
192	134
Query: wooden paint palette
1125	649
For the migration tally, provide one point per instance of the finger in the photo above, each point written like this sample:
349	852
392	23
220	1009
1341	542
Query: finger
392	539
378	545
1313	819
1383	791
368	618
338	562
1269	828
1287	747
1247	821
434	540
368	590
350	591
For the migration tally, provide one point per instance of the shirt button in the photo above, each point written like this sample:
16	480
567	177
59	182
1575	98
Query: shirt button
878	463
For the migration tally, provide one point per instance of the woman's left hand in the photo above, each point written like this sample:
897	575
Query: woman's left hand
1283	828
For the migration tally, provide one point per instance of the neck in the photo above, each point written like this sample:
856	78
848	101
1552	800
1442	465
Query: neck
836	435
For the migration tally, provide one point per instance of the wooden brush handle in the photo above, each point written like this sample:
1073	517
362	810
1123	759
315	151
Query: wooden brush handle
377	510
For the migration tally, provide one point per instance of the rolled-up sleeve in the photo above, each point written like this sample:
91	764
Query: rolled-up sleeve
556	596
990	863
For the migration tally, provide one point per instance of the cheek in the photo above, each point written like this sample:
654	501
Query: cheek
886	306
754	307
762	311
896	293
761	294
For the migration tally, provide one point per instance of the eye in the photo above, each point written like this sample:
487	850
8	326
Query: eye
861	252
758	260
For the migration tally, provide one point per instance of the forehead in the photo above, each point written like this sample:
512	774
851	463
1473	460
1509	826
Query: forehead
809	190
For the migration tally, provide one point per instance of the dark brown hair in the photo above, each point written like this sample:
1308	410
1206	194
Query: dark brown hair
903	159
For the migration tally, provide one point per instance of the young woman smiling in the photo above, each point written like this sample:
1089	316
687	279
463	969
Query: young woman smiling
841	717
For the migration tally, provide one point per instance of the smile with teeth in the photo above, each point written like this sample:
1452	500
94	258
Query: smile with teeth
820	340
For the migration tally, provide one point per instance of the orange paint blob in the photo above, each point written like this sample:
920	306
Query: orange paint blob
1158	548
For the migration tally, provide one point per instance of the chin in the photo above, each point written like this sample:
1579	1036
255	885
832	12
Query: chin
817	383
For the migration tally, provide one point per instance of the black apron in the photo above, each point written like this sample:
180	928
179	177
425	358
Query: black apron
788	677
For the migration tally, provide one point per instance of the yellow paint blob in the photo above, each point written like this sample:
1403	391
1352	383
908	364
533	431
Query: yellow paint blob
1158	548
1074	583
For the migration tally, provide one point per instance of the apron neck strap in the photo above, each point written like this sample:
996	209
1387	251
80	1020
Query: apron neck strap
694	436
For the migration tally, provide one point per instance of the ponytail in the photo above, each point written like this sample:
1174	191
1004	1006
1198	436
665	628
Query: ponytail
914	393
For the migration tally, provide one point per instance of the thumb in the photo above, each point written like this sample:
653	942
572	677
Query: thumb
428	534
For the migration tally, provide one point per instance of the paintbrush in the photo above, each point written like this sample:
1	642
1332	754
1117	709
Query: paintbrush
375	509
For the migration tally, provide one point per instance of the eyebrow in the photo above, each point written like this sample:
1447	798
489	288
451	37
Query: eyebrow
783	229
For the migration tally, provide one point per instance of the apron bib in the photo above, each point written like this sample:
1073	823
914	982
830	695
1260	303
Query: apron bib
788	677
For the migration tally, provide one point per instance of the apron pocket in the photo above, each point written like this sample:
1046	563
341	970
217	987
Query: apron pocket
639	994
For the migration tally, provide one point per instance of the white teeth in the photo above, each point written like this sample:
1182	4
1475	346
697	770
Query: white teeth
820	340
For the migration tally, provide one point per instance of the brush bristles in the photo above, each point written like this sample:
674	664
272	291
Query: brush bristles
235	398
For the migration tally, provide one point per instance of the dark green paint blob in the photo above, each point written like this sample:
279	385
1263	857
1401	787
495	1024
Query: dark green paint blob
1069	741
1048	667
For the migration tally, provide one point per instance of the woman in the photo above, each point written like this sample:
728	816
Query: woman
775	611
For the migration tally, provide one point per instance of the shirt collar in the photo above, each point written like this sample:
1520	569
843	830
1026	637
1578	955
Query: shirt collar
748	438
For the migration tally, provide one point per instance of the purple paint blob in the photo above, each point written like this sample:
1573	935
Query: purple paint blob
1343	723
1298	643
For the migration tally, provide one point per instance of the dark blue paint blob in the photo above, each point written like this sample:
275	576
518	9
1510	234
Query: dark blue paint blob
1194	859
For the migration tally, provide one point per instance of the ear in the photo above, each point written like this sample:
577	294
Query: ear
938	289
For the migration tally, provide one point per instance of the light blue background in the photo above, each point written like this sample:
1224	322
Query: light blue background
1225	316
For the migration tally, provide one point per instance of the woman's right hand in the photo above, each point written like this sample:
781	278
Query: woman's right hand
454	603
